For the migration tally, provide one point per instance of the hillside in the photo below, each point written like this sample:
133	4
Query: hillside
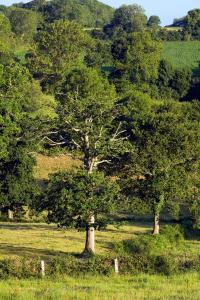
89	13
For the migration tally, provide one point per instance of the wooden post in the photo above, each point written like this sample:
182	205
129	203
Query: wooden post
42	268
116	266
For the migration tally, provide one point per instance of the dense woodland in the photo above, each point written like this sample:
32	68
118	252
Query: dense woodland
91	84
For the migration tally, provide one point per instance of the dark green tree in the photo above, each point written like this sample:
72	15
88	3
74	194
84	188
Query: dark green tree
75	198
164	171
23	110
126	19
136	58
18	187
192	24
154	22
172	82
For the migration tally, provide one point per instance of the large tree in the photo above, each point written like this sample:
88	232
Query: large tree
164	171
23	108
88	126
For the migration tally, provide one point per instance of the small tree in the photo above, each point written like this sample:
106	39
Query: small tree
154	22
73	199
126	19
18	186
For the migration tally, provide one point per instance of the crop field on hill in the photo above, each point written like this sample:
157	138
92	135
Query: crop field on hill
183	54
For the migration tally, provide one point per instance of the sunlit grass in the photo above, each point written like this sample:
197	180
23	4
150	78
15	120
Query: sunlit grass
43	240
140	287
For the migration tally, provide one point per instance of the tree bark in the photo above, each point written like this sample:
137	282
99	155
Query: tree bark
90	237
156	229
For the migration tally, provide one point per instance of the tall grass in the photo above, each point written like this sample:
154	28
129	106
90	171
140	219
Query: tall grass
138	287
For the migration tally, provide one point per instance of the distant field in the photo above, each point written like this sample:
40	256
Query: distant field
51	164
183	54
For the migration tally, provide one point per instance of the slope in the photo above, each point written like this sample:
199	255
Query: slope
89	13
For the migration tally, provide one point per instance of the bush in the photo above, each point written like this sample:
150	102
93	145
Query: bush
68	265
171	236
150	254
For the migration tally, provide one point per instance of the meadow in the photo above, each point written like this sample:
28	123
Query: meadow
183	54
140	287
45	241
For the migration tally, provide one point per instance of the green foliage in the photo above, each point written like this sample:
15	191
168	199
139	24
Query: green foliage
151	253
18	186
86	12
99	55
164	171
133	60
154	22
88	118
6	37
58	48
126	19
72	196
173	83
192	24
23	22
149	245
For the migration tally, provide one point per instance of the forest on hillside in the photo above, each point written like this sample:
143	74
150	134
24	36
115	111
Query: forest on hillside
81	79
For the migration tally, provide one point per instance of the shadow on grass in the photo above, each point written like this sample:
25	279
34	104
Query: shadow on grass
7	249
27	226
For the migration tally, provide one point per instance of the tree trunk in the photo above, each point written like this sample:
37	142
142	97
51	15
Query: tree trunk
156	229
10	214
90	241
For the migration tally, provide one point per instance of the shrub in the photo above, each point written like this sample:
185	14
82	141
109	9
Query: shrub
144	244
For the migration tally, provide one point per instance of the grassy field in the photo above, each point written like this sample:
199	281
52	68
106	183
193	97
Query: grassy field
43	241
46	240
141	287
183	54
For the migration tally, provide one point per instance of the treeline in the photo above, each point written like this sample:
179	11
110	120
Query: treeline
138	141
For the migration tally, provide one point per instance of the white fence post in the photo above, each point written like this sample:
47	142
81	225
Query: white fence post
42	268
116	266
